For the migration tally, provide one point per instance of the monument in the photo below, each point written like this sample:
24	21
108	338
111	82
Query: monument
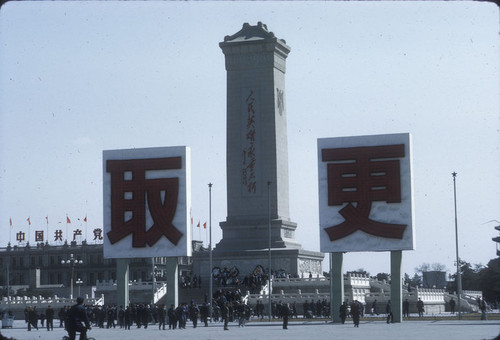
257	161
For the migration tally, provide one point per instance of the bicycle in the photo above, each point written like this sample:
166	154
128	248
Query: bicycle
67	338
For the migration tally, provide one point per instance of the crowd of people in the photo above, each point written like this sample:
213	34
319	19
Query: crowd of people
228	306
230	277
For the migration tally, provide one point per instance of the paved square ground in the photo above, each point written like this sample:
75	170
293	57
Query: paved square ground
303	330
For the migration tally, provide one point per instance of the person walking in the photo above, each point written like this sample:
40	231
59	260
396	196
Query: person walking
204	311
172	320
406	308
374	307
225	315
49	314
78	321
452	306
482	307
388	310
420	307
285	312
162	313
355	312
193	313
343	312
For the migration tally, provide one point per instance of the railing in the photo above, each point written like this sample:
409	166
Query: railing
160	292
17	302
298	297
133	285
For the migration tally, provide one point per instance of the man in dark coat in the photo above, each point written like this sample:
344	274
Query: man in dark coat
343	312
452	306
32	318
406	308
225	315
172	320
355	312
78	320
388	310
285	313
49	314
127	317
204	311
161	316
193	313
420	307
180	316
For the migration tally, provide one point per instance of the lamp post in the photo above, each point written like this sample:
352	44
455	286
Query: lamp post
72	261
154	272
79	283
210	287
269	255
459	275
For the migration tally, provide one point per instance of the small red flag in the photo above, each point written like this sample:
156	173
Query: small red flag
68	220
205	225
85	219
47	218
191	220
198	224
29	221
10	221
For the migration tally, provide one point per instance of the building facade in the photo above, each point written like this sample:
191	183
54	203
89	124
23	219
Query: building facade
41	266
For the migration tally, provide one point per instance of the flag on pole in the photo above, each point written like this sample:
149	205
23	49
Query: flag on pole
191	221
67	219
29	221
205	225
85	219
198	225
47	218
10	221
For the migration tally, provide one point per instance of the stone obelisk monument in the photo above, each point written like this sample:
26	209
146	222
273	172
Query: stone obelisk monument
257	159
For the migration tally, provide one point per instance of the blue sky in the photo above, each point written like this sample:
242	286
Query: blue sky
77	78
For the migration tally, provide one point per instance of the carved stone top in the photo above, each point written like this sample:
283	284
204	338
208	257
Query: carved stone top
248	32
255	35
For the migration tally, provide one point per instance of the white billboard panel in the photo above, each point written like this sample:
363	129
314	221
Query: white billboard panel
147	197
365	193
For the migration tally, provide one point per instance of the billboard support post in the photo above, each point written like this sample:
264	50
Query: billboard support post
122	278
396	286
172	281
336	284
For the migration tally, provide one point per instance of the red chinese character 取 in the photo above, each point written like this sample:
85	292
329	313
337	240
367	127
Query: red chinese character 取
130	196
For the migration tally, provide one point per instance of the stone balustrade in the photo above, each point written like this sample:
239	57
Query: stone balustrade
17	304
290	297
357	280
296	282
133	285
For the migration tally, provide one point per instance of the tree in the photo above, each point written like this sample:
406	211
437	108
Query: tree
438	267
470	277
360	271
424	267
383	276
416	280
489	278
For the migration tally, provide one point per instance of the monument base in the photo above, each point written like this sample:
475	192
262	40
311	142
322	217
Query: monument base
248	236
288	261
